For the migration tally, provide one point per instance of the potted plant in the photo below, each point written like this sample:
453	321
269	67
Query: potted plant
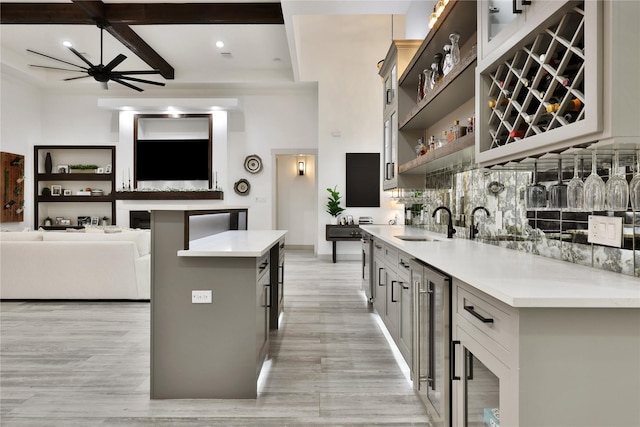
82	168
333	205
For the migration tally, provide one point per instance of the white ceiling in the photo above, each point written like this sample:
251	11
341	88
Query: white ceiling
256	54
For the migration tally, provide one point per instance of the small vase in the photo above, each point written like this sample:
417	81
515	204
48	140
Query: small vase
48	165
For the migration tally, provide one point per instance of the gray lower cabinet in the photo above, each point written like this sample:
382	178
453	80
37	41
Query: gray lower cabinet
379	285
205	350
263	304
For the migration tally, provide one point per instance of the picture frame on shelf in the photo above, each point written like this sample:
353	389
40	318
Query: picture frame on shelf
100	170
62	169
58	220
65	221
95	220
56	190
66	192
84	220
107	169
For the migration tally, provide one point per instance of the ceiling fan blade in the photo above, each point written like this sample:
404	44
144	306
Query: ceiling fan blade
139	72
151	82
56	68
79	55
114	63
75	78
117	80
56	59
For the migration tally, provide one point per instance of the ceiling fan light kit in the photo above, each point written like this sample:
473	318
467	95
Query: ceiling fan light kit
100	72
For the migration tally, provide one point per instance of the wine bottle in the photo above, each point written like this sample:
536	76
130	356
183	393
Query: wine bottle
574	105
493	103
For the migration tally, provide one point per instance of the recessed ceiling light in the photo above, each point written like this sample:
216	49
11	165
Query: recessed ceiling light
220	43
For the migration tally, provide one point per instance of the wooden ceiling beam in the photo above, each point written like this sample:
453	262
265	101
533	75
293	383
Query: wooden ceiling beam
125	35
85	12
43	13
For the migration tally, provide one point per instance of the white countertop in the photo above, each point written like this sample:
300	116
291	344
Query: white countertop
516	278
234	243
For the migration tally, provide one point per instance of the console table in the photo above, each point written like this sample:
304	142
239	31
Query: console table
335	233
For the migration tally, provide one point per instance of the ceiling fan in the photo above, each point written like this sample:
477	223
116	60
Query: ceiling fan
100	72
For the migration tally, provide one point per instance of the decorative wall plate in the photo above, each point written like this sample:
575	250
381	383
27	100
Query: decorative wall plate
242	187
253	163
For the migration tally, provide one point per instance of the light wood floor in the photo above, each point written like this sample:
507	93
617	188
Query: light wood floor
87	363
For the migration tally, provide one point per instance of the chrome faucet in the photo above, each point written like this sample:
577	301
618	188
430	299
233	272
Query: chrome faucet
450	230
474	229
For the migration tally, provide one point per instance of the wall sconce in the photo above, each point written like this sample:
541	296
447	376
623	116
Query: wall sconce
300	168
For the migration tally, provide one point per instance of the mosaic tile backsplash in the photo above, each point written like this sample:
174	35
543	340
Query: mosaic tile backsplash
551	233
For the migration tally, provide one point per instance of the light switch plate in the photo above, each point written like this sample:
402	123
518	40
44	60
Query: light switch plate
201	297
605	230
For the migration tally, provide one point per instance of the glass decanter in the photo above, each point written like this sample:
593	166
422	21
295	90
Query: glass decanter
575	188
616	188
427	79
436	67
455	49
594	188
634	186
447	65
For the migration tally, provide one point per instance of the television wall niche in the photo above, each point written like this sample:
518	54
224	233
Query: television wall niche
173	151
363	180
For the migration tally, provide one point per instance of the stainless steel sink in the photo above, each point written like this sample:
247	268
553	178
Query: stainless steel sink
415	238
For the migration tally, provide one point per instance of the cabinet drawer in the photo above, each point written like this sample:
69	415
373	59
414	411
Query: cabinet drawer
403	267
262	265
378	249
390	255
495	320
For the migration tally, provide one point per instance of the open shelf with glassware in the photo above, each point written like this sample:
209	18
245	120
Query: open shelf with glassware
64	196
421	110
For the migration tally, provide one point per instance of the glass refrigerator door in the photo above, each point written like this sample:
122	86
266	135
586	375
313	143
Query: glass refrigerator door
482	393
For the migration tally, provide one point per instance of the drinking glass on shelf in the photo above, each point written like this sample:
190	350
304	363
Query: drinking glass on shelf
594	188
558	192
634	186
616	188
575	188
536	192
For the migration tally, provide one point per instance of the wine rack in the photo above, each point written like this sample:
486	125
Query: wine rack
540	87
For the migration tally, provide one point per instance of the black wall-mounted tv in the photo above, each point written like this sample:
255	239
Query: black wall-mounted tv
172	159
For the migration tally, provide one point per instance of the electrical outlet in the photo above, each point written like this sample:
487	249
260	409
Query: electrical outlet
605	230
201	297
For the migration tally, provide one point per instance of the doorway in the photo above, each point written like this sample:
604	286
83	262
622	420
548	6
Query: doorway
296	199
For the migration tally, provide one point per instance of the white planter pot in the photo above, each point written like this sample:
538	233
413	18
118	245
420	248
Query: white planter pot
334	220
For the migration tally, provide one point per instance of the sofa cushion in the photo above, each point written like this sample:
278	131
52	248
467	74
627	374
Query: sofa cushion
25	236
142	238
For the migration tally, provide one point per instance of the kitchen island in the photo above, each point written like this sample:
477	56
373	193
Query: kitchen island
536	340
210	303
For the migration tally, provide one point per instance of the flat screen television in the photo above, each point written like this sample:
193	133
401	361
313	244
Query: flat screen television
172	159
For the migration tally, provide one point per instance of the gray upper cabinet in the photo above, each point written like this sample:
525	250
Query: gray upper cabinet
567	78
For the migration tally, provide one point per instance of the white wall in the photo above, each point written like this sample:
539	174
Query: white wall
20	111
341	53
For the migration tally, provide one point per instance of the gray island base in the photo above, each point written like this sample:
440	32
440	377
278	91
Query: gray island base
209	350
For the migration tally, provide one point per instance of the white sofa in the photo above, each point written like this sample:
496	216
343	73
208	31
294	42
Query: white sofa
77	265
